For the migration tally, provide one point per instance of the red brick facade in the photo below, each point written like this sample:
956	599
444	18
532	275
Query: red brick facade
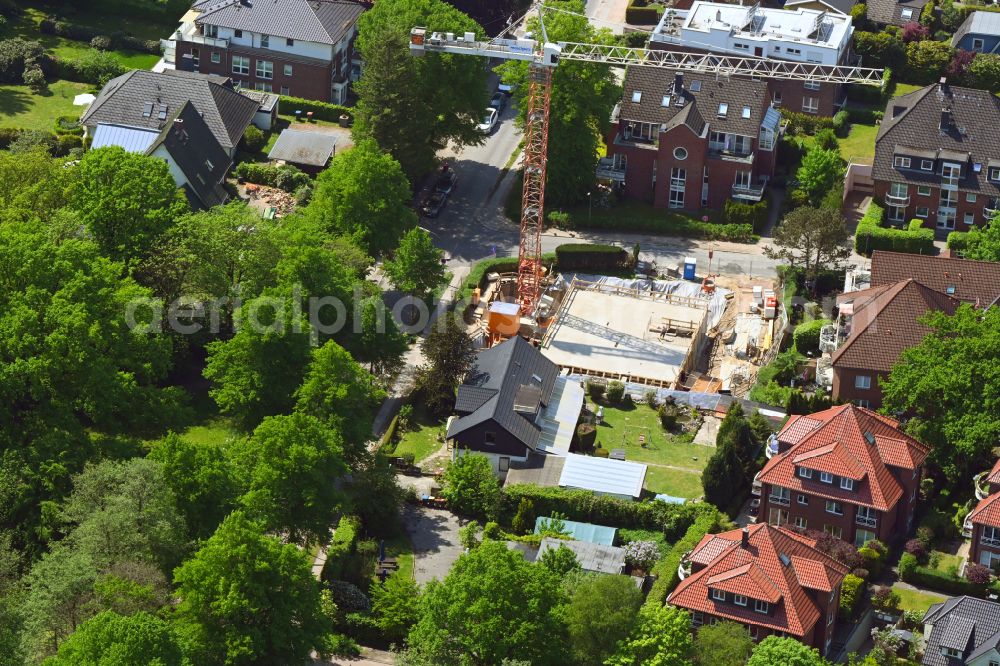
928	197
847	388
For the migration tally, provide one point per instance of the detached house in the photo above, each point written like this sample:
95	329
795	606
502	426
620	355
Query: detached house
894	12
979	33
984	524
962	631
303	48
771	580
846	471
937	157
690	142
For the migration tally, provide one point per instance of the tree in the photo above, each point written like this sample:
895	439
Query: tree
471	487
110	639
820	171
984	72
126	200
983	243
364	194
559	561
492	605
880	49
377	341
524	520
396	606
60	592
416	267
450	354
290	467
34	186
247	598
813	238
723	472
583	95
201	478
661	637
926	60
600	613
722	644
342	394
415	106
787	651
950	382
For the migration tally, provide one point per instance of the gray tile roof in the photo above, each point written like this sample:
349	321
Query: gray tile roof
322	21
978	23
495	379
193	147
227	113
842	6
963	623
912	124
703	95
889	12
965	279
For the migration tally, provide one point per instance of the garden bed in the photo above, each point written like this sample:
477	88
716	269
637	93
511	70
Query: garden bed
421	437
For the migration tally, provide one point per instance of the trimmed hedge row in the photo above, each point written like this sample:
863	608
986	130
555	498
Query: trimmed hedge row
871	235
676	225
805	123
82	33
582	256
286	177
958	240
940	581
806	335
735	212
667	577
639	12
320	110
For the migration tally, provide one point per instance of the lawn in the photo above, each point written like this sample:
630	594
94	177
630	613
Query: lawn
914	600
20	107
945	562
904	88
673	482
217	430
420	439
399	546
860	142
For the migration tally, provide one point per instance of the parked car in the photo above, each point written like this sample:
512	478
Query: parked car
498	101
433	204
506	89
489	121
445	181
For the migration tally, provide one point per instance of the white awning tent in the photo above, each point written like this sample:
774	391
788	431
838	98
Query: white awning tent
603	475
84	99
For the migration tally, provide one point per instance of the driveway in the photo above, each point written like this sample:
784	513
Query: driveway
434	534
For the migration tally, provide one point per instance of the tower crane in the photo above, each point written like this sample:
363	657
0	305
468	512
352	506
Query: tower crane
543	56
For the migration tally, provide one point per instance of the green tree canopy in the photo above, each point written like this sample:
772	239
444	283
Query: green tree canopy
126	200
416	267
378	343
984	72
450	354
471	487
926	60
246	598
364	194
722	644
290	467
559	561
110	639
415	106
660	637
396	606
600	614
787	651
951	383
59	599
813	238
983	243
819	172
493	605
33	186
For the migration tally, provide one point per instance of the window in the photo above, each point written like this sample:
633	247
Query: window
846	484
834	531
238	34
241	65
195	57
924	190
977	44
792	51
780	495
861	537
636	96
803	499
265	42
289	42
761	606
718	595
906	14
766	141
746	112
697	619
777	517
211	31
994	173
826	477
862	402
927	165
665	102
801	522
970	219
901	162
776	99
951	652
805	473
216	57
970	197
262	87
922	211
723	110
490	438
504	464
287	70
680	153
898	190
810	105
863	382
265	69
741	45
678	179
739	600
836	508
811	85
285	90
696	86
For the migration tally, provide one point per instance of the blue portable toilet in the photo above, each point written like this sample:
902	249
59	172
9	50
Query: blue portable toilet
689	267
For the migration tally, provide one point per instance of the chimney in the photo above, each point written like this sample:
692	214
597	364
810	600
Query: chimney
745	537
718	16
678	83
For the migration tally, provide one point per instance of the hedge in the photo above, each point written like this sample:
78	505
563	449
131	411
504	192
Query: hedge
735	212
806	335
82	33
478	273
850	595
341	546
675	225
286	177
940	581
667	577
639	13
871	235
958	240
584	256
320	110
805	123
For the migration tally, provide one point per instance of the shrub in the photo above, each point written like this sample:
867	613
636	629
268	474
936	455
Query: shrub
925	534
68	125
595	389
580	256
850	594
65	143
958	240
586	436
806	336
940	581
977	574
668	223
743	214
601	452
101	43
642	554
253	139
650	398
17	55
524	520
636	38
871	236
29	140
303	194
886	600
668	413
666	569
8	135
320	110
639	13
805	123
841	126
826	139
285	177
872	560
34	78
96	67
907	566
917	548
615	391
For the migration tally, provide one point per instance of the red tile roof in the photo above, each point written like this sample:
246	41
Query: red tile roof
843	429
885	322
708	549
759	571
796	428
972	280
833	458
994	475
987	512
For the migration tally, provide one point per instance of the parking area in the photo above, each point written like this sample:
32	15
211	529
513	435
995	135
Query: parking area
434	534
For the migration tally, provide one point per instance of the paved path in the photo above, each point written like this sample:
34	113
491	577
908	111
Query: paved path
434	534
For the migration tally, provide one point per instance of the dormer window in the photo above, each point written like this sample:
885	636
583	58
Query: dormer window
927	165
995	173
901	162
739	600
951	652
847	484
718	595
805	473
761	606
826	477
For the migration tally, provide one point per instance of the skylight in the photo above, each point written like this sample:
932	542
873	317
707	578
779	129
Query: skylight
723	110
695	86
746	111
666	101
636	96
147	109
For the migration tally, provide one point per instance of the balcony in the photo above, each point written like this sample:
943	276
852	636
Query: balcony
607	169
865	521
893	200
755	488
748	192
992	207
630	140
188	32
779	500
731	155
991	542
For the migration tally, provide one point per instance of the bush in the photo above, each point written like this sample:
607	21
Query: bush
595	389
671	224
872	560
101	43
66	143
18	55
581	256
806	336
649	397
285	177
96	67
865	116
958	240
638	13
636	38
320	110
668	413
826	139
841	126
642	554
977	574
886	600
907	566
303	194
614	392
850	594
586	436
917	548
805	123
742	214
68	125
925	534
253	139
8	135
940	581
871	236
34	78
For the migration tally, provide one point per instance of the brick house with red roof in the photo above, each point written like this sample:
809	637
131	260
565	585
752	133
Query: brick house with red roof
846	471
985	521
771	580
877	324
